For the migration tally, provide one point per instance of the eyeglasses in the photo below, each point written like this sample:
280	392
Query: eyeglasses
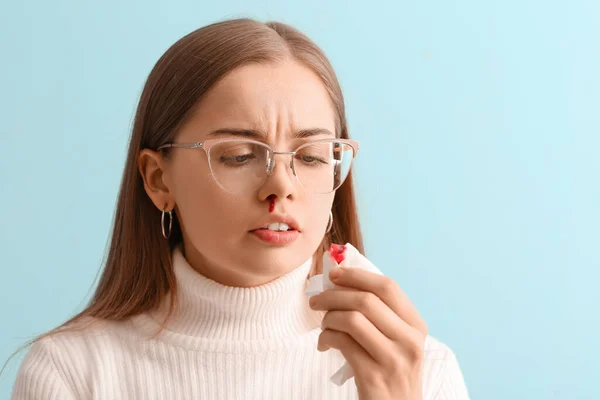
243	165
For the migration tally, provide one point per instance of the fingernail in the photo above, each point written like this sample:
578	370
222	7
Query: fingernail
312	301
335	274
322	347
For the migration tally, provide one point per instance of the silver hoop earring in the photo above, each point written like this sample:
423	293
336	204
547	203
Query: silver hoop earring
330	224
166	235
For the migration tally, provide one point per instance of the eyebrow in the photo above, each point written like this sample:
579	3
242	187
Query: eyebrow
254	134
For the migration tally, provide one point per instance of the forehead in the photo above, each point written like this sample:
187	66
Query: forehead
282	96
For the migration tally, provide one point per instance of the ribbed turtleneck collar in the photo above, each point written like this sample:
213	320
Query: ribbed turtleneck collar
210	310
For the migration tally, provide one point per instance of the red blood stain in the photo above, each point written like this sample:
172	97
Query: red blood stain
272	202
337	251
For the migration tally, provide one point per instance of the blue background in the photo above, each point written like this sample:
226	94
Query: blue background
478	176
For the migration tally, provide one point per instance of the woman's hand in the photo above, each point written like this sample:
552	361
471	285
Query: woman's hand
377	329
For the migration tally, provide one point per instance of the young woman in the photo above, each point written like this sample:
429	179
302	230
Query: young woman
236	180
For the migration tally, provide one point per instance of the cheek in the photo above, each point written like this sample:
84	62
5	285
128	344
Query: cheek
203	207
318	207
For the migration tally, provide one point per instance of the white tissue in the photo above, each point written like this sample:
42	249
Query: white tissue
319	283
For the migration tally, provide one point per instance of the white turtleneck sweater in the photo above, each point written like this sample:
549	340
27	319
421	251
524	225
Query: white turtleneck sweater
225	343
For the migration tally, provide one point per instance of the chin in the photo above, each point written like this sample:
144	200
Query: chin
274	259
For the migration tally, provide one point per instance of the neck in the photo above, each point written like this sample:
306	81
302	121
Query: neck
234	277
211	310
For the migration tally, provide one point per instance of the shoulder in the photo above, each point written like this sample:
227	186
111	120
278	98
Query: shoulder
442	376
59	365
47	372
89	330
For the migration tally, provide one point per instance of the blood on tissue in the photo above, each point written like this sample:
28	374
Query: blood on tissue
338	252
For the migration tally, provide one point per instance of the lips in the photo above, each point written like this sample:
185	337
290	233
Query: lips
275	237
277	222
278	226
277	229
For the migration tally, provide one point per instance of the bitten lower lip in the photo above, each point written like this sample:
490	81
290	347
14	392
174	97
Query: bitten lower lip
274	237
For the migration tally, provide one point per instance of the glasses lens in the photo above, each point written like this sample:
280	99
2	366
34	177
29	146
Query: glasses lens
322	167
239	166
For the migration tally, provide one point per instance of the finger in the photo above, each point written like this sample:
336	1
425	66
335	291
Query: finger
383	287
368	304
356	356
363	332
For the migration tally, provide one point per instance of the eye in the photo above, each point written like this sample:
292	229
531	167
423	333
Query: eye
311	160
239	159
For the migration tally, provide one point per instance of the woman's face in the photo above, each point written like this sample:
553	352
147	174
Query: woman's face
277	100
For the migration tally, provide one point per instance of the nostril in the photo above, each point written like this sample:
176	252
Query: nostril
271	199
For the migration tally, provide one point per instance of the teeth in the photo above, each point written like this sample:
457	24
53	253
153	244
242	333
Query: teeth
278	226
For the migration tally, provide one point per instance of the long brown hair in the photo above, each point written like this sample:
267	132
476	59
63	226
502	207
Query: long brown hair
137	272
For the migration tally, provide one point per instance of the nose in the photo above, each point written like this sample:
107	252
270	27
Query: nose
280	177
273	161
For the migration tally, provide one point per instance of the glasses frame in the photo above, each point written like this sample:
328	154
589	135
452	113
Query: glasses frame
206	145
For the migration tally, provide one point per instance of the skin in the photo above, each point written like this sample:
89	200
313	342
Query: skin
371	321
277	99
368	318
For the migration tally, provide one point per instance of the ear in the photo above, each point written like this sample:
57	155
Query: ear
151	165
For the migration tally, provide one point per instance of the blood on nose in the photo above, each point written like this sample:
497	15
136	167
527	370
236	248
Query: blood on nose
271	199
